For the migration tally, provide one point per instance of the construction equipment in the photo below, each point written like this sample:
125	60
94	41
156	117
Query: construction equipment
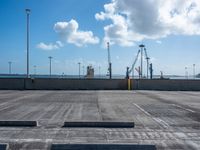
147	58
109	61
133	66
138	70
151	71
140	52
141	66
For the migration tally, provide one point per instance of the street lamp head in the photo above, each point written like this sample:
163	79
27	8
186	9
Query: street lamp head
28	11
141	45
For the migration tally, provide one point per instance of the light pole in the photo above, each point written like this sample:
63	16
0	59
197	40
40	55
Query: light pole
194	71
186	73
99	71
83	67
50	65
148	67
34	69
79	69
141	65
27	23
9	63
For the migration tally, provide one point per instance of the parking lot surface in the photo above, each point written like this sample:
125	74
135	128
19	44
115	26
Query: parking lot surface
169	120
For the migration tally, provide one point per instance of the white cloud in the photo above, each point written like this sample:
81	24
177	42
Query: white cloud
59	43
50	46
158	42
70	33
134	20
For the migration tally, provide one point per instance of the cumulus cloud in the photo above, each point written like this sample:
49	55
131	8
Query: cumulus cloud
50	46
70	33
159	42
134	20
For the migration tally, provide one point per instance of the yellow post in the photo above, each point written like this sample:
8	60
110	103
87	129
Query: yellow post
129	84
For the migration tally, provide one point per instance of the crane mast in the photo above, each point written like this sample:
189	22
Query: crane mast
147	58
109	61
133	65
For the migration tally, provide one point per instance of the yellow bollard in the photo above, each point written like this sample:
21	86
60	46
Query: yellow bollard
129	84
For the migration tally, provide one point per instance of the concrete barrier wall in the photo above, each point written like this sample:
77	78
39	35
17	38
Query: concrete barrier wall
12	83
167	85
75	84
97	84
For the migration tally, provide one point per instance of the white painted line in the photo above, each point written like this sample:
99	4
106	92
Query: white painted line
183	108
158	120
148	114
29	140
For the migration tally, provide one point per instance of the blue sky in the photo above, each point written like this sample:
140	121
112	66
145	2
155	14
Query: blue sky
172	45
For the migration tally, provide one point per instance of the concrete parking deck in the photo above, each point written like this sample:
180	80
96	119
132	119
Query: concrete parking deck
169	120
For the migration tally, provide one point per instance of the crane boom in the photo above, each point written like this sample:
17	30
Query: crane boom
133	65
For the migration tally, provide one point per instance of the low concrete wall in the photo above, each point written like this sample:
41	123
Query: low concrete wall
97	84
12	84
167	85
75	84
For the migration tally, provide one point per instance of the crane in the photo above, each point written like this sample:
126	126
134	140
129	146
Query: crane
109	61
140	52
147	58
133	65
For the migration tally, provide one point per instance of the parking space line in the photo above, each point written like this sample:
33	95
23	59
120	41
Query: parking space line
183	108
148	114
158	120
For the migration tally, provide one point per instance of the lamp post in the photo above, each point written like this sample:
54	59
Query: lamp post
34	69
79	69
194	71
9	67
186	73
99	71
27	42
141	63
83	70
50	65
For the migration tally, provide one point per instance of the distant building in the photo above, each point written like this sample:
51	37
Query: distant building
90	72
